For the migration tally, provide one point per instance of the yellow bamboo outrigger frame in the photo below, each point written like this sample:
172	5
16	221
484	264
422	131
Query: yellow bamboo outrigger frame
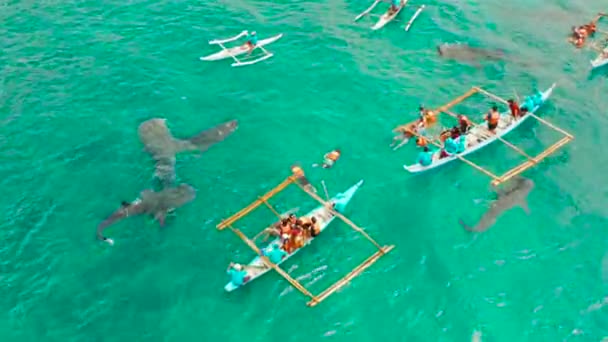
496	180
314	300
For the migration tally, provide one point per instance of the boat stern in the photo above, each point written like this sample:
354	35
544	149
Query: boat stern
342	199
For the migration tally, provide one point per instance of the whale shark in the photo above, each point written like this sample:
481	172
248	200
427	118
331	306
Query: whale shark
467	53
515	194
160	143
156	204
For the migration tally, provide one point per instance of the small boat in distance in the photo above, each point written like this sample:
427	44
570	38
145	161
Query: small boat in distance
236	51
388	16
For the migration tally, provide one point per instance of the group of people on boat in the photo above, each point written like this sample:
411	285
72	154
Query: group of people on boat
294	232
252	40
455	139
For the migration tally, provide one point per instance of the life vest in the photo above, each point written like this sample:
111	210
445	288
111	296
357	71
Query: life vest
429	118
333	155
421	142
493	117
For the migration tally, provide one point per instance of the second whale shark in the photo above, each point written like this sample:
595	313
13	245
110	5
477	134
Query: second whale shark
515	194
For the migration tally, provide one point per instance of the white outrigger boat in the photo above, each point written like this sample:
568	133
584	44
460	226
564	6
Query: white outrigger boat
479	137
325	214
233	52
256	268
601	60
389	16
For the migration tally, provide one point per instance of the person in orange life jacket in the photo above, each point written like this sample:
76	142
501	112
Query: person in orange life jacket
329	159
492	118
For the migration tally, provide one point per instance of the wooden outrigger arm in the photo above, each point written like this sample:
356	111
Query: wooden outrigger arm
227	222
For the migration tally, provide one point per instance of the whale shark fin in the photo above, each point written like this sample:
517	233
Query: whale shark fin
525	207
160	217
204	140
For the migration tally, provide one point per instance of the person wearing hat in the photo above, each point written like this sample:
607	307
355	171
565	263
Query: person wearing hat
238	276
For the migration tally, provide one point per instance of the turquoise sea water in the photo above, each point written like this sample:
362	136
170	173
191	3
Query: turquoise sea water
78	78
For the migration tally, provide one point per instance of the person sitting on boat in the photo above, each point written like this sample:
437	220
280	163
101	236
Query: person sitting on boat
252	41
285	226
238	276
394	6
425	157
429	118
450	145
275	254
421	142
465	123
462	144
492	118
315	228
329	159
514	107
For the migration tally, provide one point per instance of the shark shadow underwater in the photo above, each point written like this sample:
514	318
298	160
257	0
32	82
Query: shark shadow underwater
513	195
163	147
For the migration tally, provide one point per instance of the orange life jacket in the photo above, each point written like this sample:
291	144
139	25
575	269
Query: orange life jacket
333	155
493	118
421	142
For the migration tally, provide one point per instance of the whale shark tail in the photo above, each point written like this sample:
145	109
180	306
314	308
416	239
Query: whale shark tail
465	226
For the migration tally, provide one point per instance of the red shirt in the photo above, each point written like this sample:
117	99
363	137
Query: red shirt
514	109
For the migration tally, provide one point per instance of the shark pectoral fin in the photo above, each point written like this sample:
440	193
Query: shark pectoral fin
524	206
160	217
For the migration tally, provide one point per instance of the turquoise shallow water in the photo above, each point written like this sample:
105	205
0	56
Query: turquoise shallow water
78	78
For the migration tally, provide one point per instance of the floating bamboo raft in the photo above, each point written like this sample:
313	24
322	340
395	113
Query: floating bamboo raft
314	300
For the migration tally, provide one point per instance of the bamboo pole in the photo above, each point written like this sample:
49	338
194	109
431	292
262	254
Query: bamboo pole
270	207
475	166
457	100
352	274
225	223
515	148
526	165
495	97
551	125
340	216
255	248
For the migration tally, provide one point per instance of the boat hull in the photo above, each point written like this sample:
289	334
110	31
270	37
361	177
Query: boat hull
385	18
239	50
599	61
258	268
475	141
